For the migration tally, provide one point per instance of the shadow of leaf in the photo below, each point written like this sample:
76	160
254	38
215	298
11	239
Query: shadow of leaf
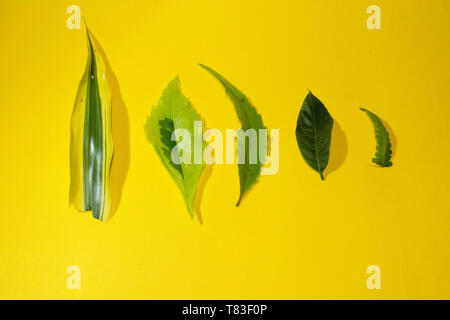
200	188
120	133
392	137
338	149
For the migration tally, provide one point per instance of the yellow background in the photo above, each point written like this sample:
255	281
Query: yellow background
293	236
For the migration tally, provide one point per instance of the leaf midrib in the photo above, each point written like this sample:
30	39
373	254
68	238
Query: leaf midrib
246	164
174	128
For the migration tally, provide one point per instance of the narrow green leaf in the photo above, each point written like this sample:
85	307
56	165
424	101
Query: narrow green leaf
175	112
313	132
91	145
250	119
383	151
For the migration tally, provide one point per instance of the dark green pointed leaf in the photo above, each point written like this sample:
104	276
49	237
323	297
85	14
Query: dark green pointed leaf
313	132
384	152
250	119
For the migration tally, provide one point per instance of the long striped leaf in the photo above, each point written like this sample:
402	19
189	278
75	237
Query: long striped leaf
91	145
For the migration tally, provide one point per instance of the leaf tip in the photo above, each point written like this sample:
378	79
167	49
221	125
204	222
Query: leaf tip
174	83
239	201
311	95
205	67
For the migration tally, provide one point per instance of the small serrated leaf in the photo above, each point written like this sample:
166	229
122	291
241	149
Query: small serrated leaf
383	152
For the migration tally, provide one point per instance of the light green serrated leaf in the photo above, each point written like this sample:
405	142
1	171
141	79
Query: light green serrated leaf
250	119
175	112
384	152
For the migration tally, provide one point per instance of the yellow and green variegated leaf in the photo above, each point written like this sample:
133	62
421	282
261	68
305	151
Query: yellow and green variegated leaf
91	145
172	114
